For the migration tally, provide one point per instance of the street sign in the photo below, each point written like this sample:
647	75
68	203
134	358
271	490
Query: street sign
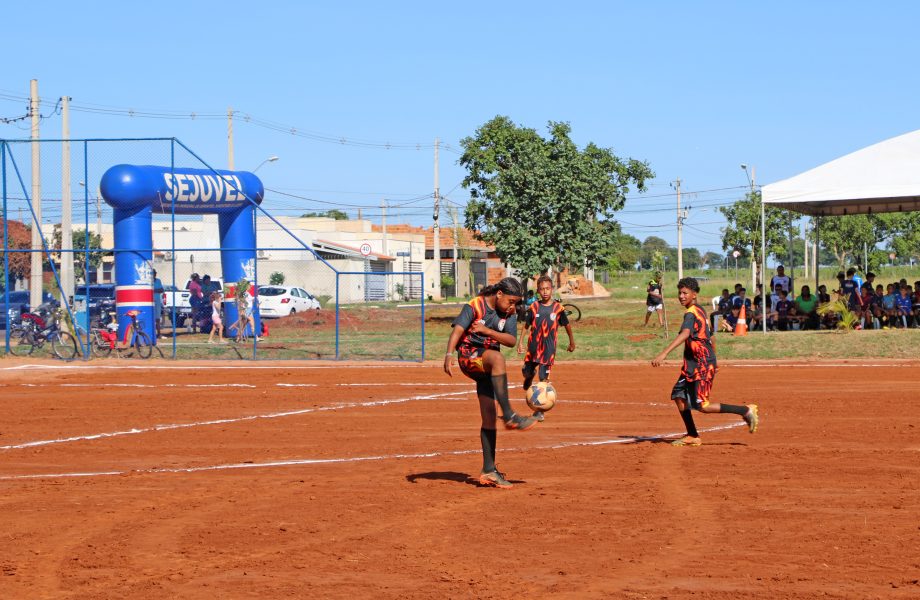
365	249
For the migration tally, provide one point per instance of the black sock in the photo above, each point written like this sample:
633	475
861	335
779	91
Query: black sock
500	389
733	409
488	438
687	416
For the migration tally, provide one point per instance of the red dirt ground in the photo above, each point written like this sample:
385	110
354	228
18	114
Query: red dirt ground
824	501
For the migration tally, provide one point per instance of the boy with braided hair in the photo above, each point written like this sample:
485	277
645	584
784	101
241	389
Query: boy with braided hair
699	368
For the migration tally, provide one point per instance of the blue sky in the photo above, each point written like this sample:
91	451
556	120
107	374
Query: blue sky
694	88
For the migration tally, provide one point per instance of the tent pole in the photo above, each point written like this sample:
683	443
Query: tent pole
817	251
763	264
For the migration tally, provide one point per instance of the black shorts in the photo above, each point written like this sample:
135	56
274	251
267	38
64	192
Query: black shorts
694	393
530	369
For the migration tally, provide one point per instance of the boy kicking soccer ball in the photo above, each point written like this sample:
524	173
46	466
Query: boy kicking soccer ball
543	319
699	368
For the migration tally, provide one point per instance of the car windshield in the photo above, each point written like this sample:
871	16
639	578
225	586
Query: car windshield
271	291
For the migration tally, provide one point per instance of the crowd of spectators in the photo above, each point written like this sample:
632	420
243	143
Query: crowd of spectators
874	306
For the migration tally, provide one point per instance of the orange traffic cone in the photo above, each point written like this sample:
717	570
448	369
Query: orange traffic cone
741	326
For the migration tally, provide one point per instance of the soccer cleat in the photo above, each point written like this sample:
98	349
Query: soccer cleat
687	441
752	418
494	479
520	423
539	415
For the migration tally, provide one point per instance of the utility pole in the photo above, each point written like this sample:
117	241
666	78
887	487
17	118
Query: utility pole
383	224
456	234
437	227
230	138
100	268
67	278
680	233
35	276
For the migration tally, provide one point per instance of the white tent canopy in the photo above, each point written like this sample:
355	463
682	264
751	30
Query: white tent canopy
884	177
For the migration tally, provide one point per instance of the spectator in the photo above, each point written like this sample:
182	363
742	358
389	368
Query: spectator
724	308
756	322
849	291
783	308
890	307
157	304
859	280
216	322
905	307
870	279
780	281
823	296
806	309
865	306
878	307
653	301
742	299
196	299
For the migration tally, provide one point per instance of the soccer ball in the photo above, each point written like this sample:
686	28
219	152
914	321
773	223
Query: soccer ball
541	396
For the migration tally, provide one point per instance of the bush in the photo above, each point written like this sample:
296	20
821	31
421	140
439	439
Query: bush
446	281
324	300
276	278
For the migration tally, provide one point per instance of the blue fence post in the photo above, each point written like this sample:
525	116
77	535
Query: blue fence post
172	172
337	315
86	244
6	253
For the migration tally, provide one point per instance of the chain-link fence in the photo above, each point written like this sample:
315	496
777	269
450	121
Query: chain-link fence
205	269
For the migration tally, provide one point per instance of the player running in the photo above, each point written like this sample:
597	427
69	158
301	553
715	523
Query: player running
543	319
699	368
488	322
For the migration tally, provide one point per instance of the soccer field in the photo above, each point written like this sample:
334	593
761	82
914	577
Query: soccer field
352	481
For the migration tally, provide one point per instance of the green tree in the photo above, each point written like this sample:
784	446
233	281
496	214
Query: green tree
901	233
79	245
713	260
743	231
276	278
334	213
651	247
543	202
846	236
622	253
692	258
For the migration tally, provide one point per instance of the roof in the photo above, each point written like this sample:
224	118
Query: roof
465	237
884	177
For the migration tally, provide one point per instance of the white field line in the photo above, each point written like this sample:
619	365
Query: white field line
276	415
155	367
355	459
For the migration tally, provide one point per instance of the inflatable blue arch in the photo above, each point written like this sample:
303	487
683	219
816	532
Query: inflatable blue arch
136	192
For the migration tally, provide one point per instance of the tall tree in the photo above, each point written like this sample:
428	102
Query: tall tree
901	232
742	231
622	253
713	260
846	237
692	258
78	256
18	238
543	202
652	247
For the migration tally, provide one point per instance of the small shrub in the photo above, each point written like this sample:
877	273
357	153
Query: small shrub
276	278
846	319
324	300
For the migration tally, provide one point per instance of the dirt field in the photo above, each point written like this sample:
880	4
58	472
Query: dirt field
315	480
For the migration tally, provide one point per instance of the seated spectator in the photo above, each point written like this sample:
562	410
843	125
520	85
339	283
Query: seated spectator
823	296
806	309
905	308
741	299
783	308
724	308
757	321
890	307
865	306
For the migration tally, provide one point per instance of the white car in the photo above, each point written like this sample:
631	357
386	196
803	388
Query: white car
282	300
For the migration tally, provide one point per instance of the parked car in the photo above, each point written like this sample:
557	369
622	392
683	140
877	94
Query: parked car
281	300
98	294
19	305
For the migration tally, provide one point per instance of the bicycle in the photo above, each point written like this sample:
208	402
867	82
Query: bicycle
571	311
103	339
32	333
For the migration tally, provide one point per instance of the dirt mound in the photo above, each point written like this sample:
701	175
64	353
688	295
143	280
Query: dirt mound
641	337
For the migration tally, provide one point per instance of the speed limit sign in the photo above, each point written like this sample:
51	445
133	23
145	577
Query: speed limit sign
365	249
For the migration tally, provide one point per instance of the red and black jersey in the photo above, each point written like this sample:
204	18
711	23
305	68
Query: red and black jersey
478	309
544	321
699	356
